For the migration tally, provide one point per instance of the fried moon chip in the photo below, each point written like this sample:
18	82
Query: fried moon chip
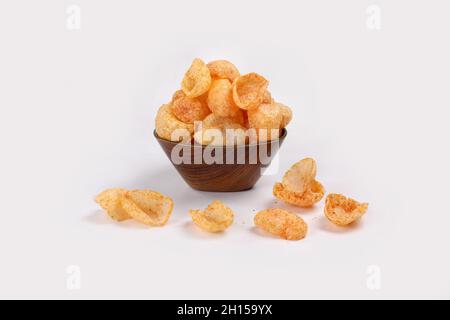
223	69
343	211
299	186
221	136
215	218
197	79
286	115
311	196
300	175
249	90
110	201
267	98
189	110
214	121
267	119
282	223
148	207
220	99
169	127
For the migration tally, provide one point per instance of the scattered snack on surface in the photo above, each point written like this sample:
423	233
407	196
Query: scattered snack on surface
146	206
215	96
343	211
281	223
110	201
215	218
299	186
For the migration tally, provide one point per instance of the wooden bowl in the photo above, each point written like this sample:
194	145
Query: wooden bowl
223	177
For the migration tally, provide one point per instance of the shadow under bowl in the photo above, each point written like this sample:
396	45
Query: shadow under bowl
221	169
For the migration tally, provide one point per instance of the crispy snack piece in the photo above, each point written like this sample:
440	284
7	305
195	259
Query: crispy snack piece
343	211
197	79
189	110
148	207
299	186
215	218
281	223
267	98
286	115
223	69
221	136
220	99
249	90
214	121
306	199
267	119
110	201
169	127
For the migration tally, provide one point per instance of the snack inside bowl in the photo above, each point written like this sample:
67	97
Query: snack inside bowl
221	168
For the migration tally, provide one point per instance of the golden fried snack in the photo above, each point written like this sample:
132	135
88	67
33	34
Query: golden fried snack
189	110
286	115
267	119
267	98
249	90
215	218
220	99
221	136
148	207
343	211
170	128
281	223
110	201
312	195
223	69
197	79
214	121
299	186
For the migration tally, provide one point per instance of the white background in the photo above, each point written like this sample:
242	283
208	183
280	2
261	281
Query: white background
77	115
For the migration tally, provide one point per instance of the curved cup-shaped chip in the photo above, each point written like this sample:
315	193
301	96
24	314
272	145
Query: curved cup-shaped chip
215	218
221	136
343	211
300	175
308	198
148	207
223	69
197	79
267	97
170	128
249	90
286	115
110	201
220	99
282	223
266	116
189	110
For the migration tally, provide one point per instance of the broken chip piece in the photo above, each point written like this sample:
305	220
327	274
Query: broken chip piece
282	223
215	218
343	211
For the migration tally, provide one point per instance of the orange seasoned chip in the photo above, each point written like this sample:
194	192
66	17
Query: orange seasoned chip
217	217
220	99
267	97
343	211
170	128
148	207
223	69
282	223
189	110
197	79
299	186
249	90
286	115
312	195
267	119
110	201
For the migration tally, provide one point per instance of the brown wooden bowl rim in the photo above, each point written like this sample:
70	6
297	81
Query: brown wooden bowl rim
281	137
